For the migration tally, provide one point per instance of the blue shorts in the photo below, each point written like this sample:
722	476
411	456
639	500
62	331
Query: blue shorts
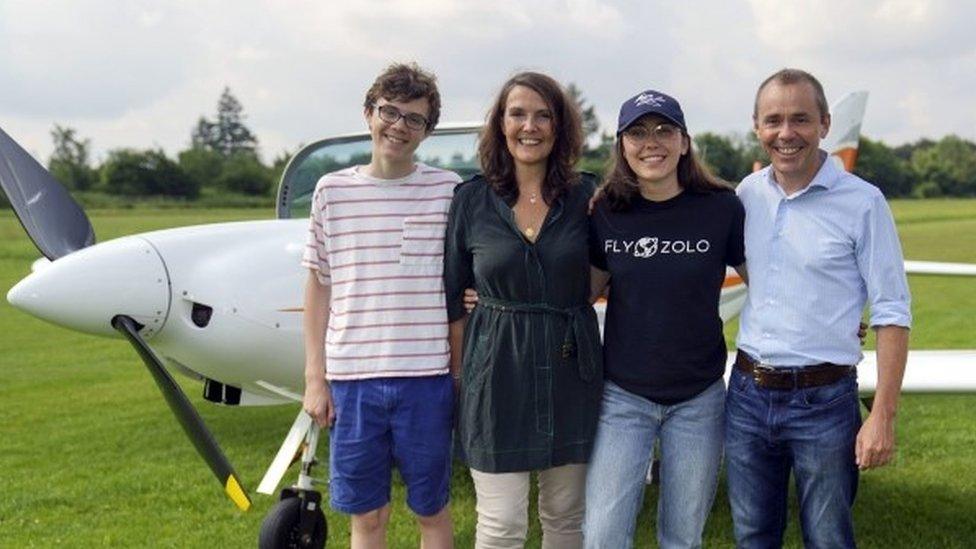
406	421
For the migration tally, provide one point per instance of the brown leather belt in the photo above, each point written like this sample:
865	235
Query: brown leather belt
800	377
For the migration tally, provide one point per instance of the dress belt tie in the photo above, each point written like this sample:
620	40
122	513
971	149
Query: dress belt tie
578	339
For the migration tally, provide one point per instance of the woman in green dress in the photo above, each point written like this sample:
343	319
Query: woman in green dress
530	364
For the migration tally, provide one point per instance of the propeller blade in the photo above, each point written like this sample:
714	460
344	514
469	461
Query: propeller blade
52	219
188	417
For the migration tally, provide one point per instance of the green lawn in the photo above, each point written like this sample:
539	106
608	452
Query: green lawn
89	455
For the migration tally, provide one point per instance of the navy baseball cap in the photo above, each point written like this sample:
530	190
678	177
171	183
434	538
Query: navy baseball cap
650	102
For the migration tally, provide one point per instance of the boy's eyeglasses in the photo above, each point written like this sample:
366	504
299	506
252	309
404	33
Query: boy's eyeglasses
390	115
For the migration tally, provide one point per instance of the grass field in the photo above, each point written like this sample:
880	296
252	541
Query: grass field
89	455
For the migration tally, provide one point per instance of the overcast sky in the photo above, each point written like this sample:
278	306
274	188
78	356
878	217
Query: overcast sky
139	74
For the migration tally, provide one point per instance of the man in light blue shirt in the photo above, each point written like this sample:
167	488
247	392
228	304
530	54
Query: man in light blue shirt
820	244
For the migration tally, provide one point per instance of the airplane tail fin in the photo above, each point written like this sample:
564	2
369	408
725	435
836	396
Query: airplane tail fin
845	128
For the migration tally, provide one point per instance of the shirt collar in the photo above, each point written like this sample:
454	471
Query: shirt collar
826	177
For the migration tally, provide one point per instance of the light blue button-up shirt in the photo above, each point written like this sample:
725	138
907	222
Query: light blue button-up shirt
815	259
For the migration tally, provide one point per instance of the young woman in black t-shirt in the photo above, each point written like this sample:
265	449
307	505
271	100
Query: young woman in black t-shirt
662	235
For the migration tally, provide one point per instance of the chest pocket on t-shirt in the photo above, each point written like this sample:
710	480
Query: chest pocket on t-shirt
423	241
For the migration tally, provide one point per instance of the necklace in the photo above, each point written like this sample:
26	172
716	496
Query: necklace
531	219
533	197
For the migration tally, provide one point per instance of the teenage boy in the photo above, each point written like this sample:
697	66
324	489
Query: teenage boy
820	244
376	366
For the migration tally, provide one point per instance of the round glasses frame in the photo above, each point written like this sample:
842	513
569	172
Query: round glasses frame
391	114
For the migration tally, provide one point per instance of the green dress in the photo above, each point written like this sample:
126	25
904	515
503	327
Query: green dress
532	373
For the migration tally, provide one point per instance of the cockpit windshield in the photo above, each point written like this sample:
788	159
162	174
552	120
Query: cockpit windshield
453	149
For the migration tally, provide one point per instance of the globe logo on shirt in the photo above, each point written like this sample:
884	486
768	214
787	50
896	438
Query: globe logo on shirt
646	247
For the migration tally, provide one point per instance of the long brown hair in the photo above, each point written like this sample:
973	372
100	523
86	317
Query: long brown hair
620	185
496	161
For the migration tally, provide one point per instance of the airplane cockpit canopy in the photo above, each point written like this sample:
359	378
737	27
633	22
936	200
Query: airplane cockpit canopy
451	146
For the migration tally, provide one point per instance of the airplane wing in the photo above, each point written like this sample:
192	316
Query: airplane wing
927	371
940	268
944	371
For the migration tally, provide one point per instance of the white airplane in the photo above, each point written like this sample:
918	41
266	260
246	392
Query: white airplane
222	303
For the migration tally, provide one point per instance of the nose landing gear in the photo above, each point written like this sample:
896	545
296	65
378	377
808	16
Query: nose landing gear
297	520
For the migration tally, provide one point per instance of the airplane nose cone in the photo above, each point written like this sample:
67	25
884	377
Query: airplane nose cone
84	290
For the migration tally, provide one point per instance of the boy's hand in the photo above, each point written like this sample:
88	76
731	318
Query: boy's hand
317	402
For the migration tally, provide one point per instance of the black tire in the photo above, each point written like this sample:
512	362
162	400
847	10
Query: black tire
280	528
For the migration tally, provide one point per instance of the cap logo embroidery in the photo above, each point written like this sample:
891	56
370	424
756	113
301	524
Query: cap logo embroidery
649	99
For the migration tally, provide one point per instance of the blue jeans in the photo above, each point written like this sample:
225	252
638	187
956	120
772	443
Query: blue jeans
691	451
811	431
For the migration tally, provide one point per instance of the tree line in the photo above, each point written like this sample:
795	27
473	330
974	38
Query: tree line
222	161
923	169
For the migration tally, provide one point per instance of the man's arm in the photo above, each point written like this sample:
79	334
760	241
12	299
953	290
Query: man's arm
875	443
881	263
318	397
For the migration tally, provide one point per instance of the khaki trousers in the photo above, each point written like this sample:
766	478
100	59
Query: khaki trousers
503	503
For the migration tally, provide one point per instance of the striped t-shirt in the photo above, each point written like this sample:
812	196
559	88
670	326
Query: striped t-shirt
379	244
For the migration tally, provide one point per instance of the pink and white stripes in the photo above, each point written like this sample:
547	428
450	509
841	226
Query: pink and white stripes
379	244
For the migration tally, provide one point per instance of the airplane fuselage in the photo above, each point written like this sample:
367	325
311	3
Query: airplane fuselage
220	301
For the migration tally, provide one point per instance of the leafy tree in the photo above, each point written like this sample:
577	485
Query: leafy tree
927	189
142	173
591	124
906	151
69	161
751	154
721	154
878	164
243	173
950	165
227	134
279	164
202	165
596	159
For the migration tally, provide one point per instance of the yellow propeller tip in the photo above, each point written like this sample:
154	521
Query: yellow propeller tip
236	493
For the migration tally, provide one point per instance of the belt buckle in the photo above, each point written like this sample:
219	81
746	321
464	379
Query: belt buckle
759	370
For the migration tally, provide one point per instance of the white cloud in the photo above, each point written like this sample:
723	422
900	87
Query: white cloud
140	73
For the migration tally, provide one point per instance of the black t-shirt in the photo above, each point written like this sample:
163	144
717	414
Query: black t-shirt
663	334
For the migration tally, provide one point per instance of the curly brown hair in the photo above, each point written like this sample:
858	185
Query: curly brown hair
620	185
497	163
406	82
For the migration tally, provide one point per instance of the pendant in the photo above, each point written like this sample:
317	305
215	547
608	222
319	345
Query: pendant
533	198
529	232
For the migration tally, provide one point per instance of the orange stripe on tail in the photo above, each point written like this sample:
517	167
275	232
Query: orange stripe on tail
848	157
732	279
